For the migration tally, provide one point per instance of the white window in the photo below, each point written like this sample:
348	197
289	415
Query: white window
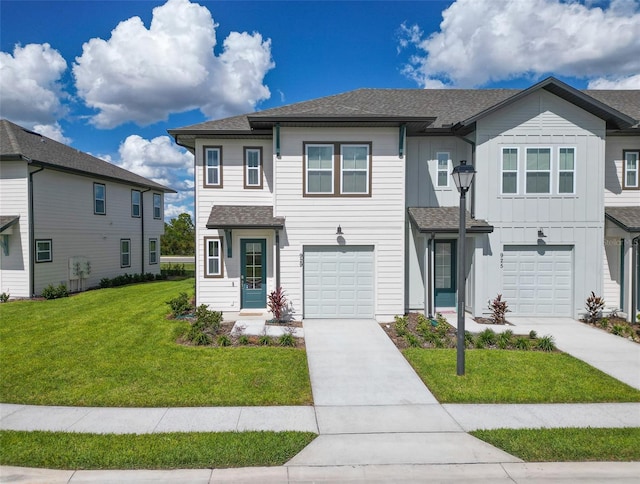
99	199
213	257
135	203
157	206
153	251
509	170
538	170
444	168
319	169
44	250
630	175
566	170
354	169
213	166
253	167
125	252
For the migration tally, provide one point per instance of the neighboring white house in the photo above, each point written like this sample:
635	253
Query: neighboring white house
347	202
69	218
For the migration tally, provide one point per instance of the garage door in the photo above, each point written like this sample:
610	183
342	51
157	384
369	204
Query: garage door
537	280
338	282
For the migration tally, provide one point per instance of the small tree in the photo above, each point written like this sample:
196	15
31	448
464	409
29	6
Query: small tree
278	304
594	306
499	310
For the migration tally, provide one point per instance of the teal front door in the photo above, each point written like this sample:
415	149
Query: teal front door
253	253
445	273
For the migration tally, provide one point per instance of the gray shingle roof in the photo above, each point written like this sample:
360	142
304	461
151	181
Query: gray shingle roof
445	220
627	218
19	143
7	221
235	216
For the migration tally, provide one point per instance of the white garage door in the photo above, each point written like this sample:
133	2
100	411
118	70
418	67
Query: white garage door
537	280
338	282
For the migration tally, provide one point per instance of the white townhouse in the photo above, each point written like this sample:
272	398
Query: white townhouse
69	218
347	202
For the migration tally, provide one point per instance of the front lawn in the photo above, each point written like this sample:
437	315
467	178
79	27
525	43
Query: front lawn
511	376
566	444
114	347
62	450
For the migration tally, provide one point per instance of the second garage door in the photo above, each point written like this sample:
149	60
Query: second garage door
537	280
338	282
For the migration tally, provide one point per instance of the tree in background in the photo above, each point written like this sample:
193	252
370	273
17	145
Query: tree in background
179	236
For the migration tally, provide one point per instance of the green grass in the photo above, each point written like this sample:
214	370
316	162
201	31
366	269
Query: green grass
188	266
501	376
567	444
60	450
114	347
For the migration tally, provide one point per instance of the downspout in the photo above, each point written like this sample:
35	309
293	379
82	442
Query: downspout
32	235
428	289
635	246
277	258
142	231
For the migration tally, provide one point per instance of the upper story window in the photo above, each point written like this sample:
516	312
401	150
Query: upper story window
354	169
153	251
253	167
538	170
135	203
213	257
566	170
125	252
630	170
99	199
44	250
157	206
337	169
509	170
213	166
444	170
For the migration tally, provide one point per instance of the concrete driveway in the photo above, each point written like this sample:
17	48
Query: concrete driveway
614	355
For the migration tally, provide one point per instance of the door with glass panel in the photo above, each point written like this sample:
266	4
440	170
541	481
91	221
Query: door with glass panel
254	273
445	273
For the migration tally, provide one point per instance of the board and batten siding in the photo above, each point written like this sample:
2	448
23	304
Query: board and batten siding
14	200
223	294
614	194
577	220
377	220
64	213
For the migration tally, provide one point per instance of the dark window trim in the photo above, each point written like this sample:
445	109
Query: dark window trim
204	165
95	198
260	167
337	170
206	258
139	204
159	217
50	241
121	253
151	263
624	169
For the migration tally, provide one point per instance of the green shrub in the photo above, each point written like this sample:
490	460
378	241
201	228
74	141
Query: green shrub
546	343
533	334
180	305
105	282
505	339
55	292
243	339
522	343
223	340
4	297
199	338
468	339
264	340
413	340
401	324
209	321
287	339
604	323
488	337
618	329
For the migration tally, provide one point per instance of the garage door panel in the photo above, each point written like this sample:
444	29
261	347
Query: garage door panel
339	282
544	278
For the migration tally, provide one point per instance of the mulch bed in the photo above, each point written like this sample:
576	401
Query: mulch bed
481	320
617	326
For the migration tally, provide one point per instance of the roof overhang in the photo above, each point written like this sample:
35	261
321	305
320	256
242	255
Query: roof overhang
445	220
8	221
627	218
243	217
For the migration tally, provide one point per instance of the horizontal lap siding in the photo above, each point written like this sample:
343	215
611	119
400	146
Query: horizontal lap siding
614	195
377	220
14	200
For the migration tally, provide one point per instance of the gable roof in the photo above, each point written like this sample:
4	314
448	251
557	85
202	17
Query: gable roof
627	218
420	110
236	216
18	143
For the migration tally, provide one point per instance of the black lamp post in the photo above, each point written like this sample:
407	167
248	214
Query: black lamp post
463	178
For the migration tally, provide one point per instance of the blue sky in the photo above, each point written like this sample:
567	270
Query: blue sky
91	74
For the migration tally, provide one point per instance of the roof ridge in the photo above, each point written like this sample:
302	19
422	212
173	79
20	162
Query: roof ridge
9	127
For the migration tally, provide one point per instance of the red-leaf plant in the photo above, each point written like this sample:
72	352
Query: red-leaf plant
278	303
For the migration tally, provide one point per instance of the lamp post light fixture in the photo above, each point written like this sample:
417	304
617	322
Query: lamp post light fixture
463	178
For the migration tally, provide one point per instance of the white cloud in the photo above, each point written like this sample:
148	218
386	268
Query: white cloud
629	82
143	75
53	131
480	41
30	84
